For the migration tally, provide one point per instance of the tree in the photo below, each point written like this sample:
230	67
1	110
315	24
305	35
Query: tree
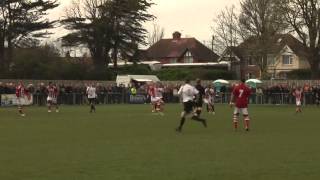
40	62
226	29
128	17
304	18
22	20
156	34
108	27
262	19
90	27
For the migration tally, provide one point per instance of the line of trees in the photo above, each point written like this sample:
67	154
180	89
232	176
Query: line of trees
266	18
108	28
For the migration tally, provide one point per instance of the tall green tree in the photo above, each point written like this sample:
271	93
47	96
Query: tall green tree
304	18
109	28
89	26
128	17
21	20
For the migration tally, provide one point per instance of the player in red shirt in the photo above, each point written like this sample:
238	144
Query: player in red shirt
152	91
159	105
52	92
21	93
297	93
240	95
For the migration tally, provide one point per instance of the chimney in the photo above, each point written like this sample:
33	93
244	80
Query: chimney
176	35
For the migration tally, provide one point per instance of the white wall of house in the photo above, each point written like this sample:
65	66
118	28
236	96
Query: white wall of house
284	62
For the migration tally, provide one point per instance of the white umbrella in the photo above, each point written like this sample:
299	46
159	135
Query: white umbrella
255	81
221	81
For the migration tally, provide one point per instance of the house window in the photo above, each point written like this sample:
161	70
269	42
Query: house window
271	60
188	57
173	61
287	59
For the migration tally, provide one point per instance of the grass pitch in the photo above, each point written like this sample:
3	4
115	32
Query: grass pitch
127	142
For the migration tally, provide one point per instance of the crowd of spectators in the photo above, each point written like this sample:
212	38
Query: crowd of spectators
111	93
75	93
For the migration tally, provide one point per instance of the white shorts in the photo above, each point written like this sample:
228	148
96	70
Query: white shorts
298	103
243	111
51	99
155	99
208	101
20	101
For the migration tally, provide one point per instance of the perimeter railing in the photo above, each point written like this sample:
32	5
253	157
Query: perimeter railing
140	98
271	98
124	97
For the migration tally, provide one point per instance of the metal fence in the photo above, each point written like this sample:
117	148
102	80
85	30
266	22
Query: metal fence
126	98
102	98
272	98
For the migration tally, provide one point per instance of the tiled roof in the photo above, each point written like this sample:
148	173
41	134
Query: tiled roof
176	48
277	43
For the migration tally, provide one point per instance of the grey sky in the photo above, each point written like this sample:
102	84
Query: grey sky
192	17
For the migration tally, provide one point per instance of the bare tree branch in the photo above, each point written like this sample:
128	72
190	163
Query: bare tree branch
156	35
304	18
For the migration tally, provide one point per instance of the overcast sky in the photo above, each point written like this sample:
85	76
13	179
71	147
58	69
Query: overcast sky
192	18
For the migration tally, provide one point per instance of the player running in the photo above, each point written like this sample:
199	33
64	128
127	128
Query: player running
52	92
199	99
209	99
240	95
187	93
155	95
159	103
152	95
21	93
297	93
92	95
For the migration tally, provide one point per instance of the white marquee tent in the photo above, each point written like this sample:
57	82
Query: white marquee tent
126	79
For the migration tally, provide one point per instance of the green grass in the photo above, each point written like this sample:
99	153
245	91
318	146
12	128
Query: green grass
127	142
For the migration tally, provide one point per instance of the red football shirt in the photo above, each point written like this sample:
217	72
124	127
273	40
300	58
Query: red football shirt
241	94
21	91
152	91
298	94
52	91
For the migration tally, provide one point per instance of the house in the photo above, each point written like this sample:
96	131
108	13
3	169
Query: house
176	52
287	55
233	55
284	53
180	50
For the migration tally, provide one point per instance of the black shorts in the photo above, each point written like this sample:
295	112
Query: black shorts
198	103
188	106
92	100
